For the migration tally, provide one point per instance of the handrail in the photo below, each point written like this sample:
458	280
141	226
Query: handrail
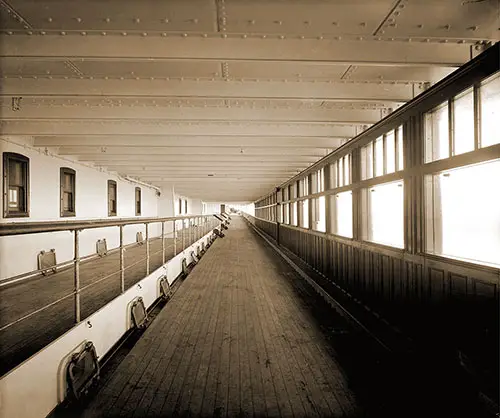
20	228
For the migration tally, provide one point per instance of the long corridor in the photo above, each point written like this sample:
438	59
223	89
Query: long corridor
237	339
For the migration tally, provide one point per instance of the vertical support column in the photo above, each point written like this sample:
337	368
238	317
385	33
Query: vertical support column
163	242
328	199
77	276
183	234
122	260
147	249
310	202
355	171
175	236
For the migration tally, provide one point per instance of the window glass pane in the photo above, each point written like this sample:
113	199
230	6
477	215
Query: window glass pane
465	220
347	170
294	213
67	201
305	214
400	141
343	213
67	181
384	214
340	163
13	198
367	161
320	185
436	134
390	152
319	217
379	157
286	213
15	173
463	123
333	175
490	111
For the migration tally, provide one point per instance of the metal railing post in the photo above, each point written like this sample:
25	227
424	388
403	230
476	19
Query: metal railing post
77	276
175	237
122	260
147	249
163	242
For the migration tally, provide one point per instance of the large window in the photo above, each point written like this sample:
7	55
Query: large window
318	214
489	99
15	185
342	214
138	202
112	198
383	214
293	214
463	215
304	213
68	191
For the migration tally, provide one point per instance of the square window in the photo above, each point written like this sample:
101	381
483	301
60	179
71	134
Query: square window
15	185
68	192
112	198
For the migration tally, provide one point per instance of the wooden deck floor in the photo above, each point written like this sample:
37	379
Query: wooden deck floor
25	338
237	339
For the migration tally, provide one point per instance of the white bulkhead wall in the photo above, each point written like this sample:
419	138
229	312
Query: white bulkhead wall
18	254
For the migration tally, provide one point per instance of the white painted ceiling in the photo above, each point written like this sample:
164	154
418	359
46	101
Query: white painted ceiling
222	98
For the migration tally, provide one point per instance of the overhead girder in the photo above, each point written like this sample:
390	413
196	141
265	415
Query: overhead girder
162	128
218	88
194	114
234	48
197	141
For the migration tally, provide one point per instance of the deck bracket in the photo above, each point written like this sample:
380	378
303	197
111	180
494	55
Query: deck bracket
139	238
165	289
102	247
83	371
139	314
47	261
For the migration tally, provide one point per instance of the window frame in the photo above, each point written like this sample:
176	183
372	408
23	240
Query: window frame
7	212
62	172
138	201
110	211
